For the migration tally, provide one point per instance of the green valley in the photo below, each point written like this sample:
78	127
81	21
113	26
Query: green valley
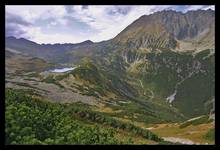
153	84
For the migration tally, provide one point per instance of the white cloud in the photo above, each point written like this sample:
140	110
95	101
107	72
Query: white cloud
209	7
53	23
31	13
202	7
36	34
108	25
105	21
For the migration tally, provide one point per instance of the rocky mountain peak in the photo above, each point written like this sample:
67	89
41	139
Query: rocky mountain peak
166	28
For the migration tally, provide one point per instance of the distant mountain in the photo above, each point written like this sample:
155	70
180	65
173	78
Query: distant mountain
52	52
66	46
170	30
165	30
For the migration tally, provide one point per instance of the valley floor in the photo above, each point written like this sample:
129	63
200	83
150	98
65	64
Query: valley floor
128	112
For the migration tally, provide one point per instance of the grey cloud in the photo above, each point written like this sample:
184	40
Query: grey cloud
12	18
119	10
85	7
14	25
69	9
13	30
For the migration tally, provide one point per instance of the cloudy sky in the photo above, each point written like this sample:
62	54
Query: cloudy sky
76	23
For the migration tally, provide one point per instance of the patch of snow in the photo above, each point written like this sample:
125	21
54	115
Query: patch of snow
171	98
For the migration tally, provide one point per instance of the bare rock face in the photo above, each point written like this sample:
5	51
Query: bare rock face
169	30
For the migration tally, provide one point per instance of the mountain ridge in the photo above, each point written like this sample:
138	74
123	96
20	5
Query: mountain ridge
171	24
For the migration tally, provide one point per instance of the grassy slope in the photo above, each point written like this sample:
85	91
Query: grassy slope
159	75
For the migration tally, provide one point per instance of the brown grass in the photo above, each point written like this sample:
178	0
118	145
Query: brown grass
195	133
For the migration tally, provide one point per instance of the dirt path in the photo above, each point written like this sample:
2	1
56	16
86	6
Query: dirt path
179	140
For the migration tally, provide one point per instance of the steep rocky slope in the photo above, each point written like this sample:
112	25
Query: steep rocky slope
168	29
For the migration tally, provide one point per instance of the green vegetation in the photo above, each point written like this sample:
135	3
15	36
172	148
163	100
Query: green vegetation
163	71
147	112
210	135
61	77
197	121
88	72
33	74
87	114
51	79
30	121
98	80
149	82
33	121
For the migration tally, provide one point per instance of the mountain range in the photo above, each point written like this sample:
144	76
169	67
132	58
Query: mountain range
192	31
160	68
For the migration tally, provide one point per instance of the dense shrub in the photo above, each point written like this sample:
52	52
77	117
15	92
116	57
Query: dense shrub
31	121
100	118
